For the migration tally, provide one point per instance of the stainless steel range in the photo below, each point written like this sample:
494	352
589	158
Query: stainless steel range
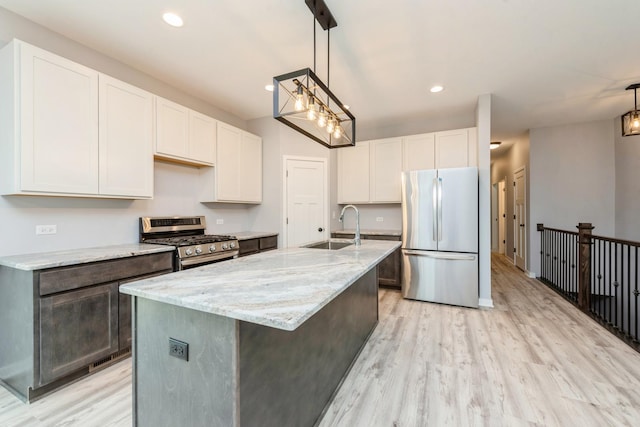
186	233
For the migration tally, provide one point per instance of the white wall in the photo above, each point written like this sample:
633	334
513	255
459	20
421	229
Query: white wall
93	222
572	180
627	157
483	123
85	223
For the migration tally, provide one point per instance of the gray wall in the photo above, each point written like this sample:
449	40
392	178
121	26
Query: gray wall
502	166
627	153
572	180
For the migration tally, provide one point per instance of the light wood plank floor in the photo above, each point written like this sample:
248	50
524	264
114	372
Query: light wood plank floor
532	360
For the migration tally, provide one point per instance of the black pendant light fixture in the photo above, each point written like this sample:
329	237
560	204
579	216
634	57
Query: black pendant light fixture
631	120
303	102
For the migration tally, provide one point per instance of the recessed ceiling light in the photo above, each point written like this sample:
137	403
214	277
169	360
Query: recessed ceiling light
436	89
172	19
269	88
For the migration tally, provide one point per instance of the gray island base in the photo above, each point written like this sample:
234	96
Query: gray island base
275	363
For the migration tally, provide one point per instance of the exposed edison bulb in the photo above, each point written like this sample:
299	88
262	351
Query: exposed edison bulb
311	110
322	118
331	125
299	104
635	123
338	132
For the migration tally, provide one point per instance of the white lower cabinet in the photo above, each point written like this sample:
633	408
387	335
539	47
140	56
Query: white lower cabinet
57	139
237	175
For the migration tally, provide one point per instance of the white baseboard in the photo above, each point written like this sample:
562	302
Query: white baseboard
485	302
530	274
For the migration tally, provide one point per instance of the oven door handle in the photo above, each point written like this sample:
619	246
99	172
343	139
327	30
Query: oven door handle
202	259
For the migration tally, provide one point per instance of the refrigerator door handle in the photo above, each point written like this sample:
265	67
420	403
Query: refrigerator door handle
436	235
441	255
439	220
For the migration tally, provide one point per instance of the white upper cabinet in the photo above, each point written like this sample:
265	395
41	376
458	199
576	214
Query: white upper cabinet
184	135
370	172
386	167
126	139
237	176
55	102
51	141
419	152
440	150
353	173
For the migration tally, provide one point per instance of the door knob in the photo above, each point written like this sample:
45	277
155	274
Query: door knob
320	229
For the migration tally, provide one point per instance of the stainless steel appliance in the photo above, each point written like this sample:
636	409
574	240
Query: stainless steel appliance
186	233
440	236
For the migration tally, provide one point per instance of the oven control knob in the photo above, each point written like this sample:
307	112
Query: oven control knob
188	252
198	250
232	245
212	248
224	246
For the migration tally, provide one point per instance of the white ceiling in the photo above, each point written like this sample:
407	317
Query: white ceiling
546	62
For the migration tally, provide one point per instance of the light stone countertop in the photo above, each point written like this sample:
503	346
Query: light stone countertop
370	232
246	235
280	288
42	260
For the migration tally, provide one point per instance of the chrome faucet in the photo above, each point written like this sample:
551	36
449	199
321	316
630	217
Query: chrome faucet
357	239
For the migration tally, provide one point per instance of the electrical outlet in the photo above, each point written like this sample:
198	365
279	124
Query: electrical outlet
46	229
178	349
333	214
219	221
379	219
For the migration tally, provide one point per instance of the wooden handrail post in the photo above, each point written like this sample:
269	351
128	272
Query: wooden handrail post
584	262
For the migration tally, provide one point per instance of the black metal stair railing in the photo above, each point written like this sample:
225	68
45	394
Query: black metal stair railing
597	274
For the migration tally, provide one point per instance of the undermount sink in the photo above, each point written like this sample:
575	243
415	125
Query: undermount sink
329	244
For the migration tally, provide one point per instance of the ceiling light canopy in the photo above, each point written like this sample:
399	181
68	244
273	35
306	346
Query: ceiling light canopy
303	102
172	19
494	145
631	120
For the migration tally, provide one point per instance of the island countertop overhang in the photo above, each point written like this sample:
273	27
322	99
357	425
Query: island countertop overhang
279	289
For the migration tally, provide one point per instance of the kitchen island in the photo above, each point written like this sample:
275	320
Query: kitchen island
270	337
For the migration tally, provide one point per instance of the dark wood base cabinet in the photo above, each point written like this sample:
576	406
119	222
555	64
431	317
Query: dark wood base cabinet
389	268
60	323
254	246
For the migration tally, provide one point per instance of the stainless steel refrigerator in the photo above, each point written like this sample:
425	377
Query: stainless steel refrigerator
440	236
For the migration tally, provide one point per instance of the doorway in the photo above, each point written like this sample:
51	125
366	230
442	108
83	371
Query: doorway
305	200
499	216
519	218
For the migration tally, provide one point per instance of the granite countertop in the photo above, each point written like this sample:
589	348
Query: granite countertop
246	235
280	288
370	232
40	261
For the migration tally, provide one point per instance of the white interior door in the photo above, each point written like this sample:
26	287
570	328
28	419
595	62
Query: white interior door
502	217
306	192
519	234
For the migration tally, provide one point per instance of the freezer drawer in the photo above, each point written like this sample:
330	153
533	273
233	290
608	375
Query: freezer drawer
443	277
